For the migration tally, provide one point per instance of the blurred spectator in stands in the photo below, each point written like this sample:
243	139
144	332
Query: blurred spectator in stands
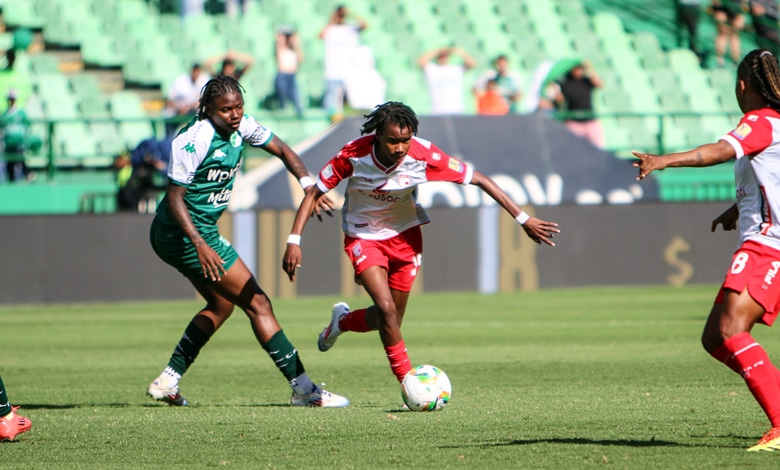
365	86
184	98
729	14
288	58
507	82
126	195
16	133
233	64
490	101
191	7
149	176
688	13
341	39
765	15
445	79
575	98
235	8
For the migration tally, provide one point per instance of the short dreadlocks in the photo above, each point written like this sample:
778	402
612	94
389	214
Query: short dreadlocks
216	87
392	112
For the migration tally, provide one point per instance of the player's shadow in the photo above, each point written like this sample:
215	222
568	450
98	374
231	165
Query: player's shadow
652	442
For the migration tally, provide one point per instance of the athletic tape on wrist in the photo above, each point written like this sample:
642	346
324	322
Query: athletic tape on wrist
294	240
306	181
522	218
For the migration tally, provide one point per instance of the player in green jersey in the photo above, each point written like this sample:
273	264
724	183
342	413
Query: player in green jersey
205	156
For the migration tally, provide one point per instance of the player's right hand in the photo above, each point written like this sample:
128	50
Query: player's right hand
292	260
540	231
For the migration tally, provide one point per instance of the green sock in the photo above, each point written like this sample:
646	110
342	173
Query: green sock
5	405
188	348
284	355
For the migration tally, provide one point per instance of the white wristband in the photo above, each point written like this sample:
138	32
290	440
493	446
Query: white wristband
306	181
294	240
522	218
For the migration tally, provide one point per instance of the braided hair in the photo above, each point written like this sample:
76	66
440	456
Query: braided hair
392	112
216	87
760	69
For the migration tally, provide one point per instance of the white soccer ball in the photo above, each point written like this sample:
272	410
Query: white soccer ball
426	388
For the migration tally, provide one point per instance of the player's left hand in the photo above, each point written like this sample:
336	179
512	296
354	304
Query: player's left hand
324	204
646	164
540	230
292	260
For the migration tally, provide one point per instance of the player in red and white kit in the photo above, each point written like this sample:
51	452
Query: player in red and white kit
382	219
751	291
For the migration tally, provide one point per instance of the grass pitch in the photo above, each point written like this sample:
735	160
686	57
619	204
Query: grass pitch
555	379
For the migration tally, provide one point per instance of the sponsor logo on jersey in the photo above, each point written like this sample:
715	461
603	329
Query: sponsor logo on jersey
189	148
327	172
220	199
742	131
456	165
219	154
219	175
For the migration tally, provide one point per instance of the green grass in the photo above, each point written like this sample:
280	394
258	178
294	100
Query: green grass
556	379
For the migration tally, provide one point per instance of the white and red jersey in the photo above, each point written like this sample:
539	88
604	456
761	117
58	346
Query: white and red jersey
757	137
381	202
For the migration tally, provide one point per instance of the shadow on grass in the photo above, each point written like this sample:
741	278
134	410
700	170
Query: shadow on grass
584	441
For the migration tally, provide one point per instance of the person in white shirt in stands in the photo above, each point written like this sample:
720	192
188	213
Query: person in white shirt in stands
382	219
184	98
341	41
365	86
445	79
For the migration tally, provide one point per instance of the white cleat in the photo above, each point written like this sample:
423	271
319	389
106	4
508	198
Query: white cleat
331	332
319	398
169	395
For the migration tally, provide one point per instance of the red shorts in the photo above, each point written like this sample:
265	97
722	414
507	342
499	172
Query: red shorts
401	256
755	267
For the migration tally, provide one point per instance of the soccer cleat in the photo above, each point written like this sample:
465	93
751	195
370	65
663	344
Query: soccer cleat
9	429
770	441
331	332
320	398
169	395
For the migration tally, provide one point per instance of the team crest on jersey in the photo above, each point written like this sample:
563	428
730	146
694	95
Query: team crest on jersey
456	165
235	139
357	250
752	117
742	131
436	156
404	180
327	172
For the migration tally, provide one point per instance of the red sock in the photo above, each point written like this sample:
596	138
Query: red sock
399	360
745	356
355	321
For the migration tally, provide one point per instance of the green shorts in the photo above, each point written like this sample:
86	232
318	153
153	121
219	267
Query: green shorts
173	247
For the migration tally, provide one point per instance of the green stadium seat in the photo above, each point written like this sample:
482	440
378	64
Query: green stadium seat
94	107
108	139
133	132
22	14
126	105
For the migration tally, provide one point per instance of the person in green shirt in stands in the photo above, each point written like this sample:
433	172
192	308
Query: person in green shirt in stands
16	132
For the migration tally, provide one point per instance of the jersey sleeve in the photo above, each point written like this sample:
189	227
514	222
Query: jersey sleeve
751	136
186	156
254	133
442	167
338	168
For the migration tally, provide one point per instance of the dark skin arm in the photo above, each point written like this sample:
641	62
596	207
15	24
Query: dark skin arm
210	261
728	219
705	155
293	255
278	148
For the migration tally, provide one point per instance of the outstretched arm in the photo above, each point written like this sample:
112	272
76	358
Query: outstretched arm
292	255
704	155
537	230
294	165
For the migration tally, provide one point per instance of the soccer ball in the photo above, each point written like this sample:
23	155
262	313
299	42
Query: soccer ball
426	388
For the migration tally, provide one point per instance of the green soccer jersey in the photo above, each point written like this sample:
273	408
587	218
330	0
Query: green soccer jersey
206	163
15	126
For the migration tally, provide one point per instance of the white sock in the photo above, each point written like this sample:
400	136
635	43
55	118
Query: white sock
169	378
302	385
